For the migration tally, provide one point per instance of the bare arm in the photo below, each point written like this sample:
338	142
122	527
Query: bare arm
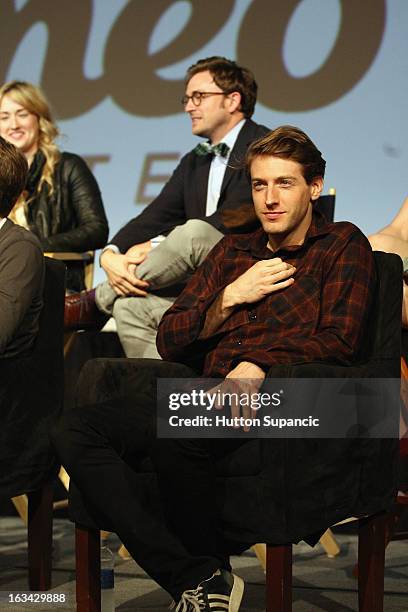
393	237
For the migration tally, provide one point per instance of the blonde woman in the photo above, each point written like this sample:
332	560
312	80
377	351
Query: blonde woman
61	203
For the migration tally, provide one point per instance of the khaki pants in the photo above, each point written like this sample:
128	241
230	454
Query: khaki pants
171	262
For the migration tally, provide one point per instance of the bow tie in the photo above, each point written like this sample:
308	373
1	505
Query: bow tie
204	148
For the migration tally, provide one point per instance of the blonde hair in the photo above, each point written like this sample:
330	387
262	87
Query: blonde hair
35	102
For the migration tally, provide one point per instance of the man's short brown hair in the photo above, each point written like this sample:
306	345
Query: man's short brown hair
289	142
229	77
13	176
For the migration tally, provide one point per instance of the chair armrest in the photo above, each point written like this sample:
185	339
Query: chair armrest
105	379
86	257
322	370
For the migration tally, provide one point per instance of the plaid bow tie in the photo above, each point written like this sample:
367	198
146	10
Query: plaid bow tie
204	148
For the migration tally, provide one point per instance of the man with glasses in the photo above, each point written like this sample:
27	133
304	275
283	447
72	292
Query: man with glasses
208	195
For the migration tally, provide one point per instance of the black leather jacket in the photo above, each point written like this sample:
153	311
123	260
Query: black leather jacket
73	217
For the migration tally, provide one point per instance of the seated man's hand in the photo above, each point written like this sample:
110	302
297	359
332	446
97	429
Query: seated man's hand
246	378
120	270
140	250
246	369
262	278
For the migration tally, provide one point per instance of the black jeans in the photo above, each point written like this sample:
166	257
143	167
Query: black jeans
101	446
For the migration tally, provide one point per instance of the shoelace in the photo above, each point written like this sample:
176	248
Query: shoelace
191	601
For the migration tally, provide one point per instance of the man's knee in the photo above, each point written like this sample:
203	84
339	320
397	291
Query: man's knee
132	311
143	312
196	229
105	297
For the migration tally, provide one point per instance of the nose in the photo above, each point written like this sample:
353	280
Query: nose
189	106
271	196
13	121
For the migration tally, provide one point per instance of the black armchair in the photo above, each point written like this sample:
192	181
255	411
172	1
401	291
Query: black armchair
284	471
378	458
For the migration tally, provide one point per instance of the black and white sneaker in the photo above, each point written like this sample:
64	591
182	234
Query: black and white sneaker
220	593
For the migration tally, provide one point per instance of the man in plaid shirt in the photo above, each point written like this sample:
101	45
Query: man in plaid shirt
299	289
295	290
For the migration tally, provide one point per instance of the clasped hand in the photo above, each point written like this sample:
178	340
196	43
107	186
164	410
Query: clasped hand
121	270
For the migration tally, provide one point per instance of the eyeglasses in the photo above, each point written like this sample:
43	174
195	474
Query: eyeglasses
197	96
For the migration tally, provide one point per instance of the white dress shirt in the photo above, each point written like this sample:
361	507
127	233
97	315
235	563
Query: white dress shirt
217	170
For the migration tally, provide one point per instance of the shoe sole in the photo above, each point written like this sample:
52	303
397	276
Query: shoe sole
237	592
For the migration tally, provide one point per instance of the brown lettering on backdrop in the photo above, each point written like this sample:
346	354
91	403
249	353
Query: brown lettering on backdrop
68	27
94	160
130	73
133	81
147	177
260	43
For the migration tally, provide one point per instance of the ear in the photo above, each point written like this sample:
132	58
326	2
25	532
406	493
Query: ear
234	100
316	187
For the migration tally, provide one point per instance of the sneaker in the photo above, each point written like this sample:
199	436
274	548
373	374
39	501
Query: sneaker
220	593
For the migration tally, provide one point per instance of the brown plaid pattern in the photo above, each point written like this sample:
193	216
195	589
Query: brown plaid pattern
321	317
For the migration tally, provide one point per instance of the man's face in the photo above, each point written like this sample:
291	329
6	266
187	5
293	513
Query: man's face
212	117
282	199
19	126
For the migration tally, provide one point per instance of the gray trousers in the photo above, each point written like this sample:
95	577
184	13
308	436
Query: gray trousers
171	262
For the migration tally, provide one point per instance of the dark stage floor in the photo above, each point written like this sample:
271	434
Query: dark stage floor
320	583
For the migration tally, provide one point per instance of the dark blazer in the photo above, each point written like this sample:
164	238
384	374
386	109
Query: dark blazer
185	195
31	385
21	287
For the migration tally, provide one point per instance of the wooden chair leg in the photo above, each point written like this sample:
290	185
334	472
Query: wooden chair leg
88	575
68	341
64	478
329	543
21	505
124	553
39	534
279	578
371	559
260	551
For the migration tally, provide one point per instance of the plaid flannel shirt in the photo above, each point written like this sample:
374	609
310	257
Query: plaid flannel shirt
320	317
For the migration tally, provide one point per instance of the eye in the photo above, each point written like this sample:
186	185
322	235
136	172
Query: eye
285	183
257	185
